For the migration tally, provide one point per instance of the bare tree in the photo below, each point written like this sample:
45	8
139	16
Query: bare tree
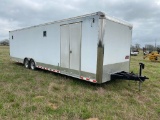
4	42
149	47
137	46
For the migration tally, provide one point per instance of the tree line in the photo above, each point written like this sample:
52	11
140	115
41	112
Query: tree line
4	42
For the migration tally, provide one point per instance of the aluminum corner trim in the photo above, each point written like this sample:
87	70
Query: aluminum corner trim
100	54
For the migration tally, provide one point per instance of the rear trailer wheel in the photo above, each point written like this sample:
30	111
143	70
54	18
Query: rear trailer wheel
26	63
32	65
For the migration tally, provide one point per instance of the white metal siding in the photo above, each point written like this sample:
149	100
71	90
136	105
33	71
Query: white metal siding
117	40
75	44
31	43
70	46
64	46
89	44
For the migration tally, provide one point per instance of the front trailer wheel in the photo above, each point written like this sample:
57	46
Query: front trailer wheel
26	63
32	65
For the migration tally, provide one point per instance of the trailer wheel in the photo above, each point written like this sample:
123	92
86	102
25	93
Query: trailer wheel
26	63
32	65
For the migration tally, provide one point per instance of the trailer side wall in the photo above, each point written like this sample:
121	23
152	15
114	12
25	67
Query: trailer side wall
31	43
117	41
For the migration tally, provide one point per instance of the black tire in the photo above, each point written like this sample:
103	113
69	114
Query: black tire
32	65
26	63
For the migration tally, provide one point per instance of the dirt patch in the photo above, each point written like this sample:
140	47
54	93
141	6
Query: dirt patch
52	106
92	119
53	87
142	99
101	91
39	97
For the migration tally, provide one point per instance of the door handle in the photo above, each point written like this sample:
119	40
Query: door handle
70	51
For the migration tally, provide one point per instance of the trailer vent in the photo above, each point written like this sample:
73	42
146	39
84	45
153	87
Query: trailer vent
44	33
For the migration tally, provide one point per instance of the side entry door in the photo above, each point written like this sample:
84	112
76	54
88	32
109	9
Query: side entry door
71	35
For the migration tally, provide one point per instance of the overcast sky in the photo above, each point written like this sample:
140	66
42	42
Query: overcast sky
143	14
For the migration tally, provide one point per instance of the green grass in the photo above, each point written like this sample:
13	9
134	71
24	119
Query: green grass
30	95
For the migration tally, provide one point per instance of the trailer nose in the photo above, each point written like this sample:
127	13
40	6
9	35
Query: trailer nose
130	76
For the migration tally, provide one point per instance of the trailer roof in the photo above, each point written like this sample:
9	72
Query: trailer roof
82	16
117	20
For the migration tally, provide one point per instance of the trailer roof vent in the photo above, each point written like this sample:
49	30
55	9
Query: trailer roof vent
44	33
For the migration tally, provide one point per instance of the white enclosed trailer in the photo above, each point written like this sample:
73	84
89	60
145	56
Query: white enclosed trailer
89	47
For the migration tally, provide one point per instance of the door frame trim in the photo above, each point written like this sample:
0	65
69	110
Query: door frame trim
70	47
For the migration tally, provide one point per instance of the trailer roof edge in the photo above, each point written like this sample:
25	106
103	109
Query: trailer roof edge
117	20
99	13
114	19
